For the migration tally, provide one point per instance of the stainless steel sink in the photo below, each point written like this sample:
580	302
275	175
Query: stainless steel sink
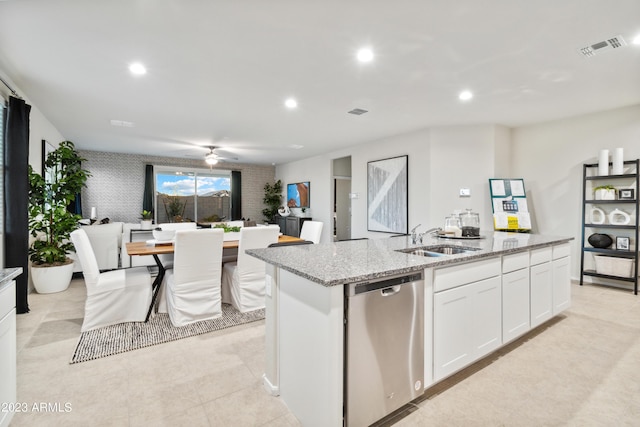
439	250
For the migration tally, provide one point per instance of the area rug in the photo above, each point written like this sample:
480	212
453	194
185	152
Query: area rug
123	337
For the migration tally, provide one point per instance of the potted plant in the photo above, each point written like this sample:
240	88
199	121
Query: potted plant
174	207
147	220
50	222
604	192
272	198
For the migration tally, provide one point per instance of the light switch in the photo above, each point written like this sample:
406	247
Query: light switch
353	195
465	192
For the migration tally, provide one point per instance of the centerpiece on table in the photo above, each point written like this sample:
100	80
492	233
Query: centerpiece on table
50	221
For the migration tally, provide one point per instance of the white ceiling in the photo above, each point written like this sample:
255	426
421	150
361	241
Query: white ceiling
219	71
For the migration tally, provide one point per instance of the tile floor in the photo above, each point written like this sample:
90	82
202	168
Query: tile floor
581	369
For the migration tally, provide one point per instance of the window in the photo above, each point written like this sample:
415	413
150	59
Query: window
198	195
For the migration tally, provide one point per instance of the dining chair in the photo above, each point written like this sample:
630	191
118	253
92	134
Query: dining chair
115	296
312	231
167	260
243	281
192	286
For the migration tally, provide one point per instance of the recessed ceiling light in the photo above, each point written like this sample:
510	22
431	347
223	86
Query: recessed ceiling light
636	39
365	55
137	68
465	95
296	146
291	103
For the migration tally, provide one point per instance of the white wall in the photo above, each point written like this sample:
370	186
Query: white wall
441	161
549	156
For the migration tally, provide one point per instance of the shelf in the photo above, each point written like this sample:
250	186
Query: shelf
607	276
616	226
605	202
615	252
624	175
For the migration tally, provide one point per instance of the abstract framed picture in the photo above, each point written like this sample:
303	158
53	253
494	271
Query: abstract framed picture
387	195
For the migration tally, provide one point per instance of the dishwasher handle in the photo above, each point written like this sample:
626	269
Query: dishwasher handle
387	292
355	289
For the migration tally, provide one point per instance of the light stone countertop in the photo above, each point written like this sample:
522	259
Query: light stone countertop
8	274
331	264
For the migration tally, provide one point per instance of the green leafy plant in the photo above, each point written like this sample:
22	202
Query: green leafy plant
147	214
49	220
272	199
227	228
174	206
604	187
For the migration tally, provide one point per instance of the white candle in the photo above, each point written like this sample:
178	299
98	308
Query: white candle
94	213
603	163
618	162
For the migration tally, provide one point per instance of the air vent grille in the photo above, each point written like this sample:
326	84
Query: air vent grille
357	111
612	43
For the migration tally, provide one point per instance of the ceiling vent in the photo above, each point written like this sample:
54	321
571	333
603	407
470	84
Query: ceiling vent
357	111
609	44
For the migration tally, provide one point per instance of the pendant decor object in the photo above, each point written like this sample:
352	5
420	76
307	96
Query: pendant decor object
600	241
597	216
617	159
603	163
618	217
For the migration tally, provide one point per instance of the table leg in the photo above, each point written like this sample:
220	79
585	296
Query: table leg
156	285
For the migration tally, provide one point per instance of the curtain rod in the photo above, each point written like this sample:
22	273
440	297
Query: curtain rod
10	88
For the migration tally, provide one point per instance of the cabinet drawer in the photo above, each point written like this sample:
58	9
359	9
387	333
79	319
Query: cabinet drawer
461	274
515	262
561	251
7	298
539	256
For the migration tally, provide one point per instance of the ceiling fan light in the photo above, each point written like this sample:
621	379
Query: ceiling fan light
211	159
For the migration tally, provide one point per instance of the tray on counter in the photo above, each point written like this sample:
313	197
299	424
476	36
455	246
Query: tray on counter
447	236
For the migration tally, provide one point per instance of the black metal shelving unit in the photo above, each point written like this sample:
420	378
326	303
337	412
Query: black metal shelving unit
629	180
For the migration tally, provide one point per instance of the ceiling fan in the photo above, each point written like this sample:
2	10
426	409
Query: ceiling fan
212	158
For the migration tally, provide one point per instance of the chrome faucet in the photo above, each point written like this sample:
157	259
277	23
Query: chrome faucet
414	235
416	238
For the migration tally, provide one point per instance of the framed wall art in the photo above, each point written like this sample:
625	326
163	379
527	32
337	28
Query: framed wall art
387	195
626	194
622	243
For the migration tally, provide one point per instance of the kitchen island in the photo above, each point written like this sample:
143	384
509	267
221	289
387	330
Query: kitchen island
475	302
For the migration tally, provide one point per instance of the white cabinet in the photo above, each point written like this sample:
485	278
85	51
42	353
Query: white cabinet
561	276
515	304
467	325
541	294
7	349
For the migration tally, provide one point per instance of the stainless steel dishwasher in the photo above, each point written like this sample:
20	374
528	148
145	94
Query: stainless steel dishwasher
384	347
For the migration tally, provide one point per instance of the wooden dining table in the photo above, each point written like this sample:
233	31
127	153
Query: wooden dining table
143	248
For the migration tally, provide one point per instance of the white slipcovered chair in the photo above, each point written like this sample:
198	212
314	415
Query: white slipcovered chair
192	287
243	281
114	296
312	231
167	260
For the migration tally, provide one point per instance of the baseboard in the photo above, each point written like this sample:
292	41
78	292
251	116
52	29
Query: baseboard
273	390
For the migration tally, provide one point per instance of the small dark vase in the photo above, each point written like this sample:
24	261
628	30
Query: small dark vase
600	241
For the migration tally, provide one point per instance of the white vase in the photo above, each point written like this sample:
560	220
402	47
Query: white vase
605	194
617	160
603	163
146	224
48	280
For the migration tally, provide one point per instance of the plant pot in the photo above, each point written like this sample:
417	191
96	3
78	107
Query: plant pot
605	194
146	224
48	280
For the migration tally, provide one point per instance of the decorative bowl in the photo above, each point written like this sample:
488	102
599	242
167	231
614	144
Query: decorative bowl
600	241
163	235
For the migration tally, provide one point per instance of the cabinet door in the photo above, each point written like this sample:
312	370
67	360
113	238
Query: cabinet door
541	293
487	316
515	304
451	331
561	284
467	325
282	223
7	363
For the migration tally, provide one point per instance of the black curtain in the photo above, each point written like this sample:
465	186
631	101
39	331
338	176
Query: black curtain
75	207
236	196
16	197
147	197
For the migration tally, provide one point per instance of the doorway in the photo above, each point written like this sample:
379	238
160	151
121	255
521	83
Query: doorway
341	199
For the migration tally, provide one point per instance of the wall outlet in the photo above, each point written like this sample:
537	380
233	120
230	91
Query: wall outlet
465	192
